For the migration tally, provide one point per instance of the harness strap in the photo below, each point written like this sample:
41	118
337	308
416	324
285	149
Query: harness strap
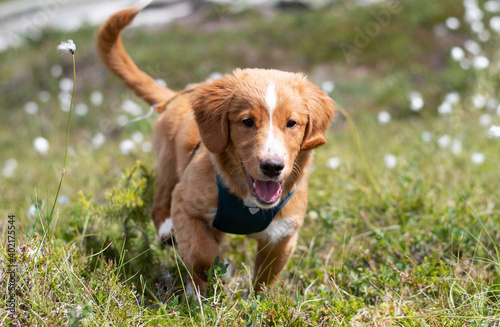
235	218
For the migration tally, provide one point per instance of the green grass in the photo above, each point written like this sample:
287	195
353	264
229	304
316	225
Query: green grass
414	245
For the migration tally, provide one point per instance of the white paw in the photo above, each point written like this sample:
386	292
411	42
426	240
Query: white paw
166	229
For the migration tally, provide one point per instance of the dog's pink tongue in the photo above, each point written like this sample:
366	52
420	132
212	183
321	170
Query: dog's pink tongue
268	191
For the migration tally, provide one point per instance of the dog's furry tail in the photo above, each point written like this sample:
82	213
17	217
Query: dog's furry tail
114	56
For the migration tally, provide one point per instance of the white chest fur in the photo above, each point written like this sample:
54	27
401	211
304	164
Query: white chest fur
277	230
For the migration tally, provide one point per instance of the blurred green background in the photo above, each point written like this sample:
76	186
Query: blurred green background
408	186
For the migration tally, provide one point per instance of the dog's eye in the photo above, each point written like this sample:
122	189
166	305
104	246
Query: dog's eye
248	122
291	124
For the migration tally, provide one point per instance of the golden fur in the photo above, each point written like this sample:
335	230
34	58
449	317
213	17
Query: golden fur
289	116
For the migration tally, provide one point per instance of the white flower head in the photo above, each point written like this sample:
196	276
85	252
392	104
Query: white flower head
384	117
472	46
215	75
147	146
333	163
67	46
390	161
495	24
127	146
452	97
98	140
328	86
452	23
477	158
96	98
480	62
445	108
456	147
416	101
137	137
457	53
479	101
492	6
9	168
494	132
444	141
41	145
485	120
426	137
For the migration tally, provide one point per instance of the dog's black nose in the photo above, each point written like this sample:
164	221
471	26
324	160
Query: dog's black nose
271	167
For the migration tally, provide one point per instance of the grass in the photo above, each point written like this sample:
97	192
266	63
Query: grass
414	245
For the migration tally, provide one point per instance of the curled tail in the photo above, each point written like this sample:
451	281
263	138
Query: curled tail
114	56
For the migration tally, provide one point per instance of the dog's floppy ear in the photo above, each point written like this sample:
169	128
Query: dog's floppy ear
210	103
321	110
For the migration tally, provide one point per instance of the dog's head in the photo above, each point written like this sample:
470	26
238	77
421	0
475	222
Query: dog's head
262	120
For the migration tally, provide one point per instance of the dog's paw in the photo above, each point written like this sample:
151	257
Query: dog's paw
166	231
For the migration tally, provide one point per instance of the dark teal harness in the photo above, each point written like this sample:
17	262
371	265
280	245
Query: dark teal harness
235	218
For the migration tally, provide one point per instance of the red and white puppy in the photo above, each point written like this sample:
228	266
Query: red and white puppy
255	129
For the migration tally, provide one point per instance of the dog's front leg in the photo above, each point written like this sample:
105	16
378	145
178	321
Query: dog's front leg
197	241
271	260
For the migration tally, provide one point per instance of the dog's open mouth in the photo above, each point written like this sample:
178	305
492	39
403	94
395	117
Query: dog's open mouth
267	193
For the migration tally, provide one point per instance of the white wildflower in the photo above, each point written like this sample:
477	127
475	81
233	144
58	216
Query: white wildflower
492	6
67	46
327	86
333	163
495	24
31	107
56	71
477	158
456	147
81	109
444	141
44	96
137	137
63	200
96	98
41	145
477	26
390	161
457	53
32	210
445	108
416	101
66	84
426	137
146	146
473	13
494	132
465	64
485	120
472	46
452	23
131	107
452	97
127	146
216	75
479	101
98	140
480	62
122	120
491	104
9	168
384	117
484	35
498	110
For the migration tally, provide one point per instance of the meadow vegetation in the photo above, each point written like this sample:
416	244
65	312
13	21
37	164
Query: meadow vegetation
403	223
